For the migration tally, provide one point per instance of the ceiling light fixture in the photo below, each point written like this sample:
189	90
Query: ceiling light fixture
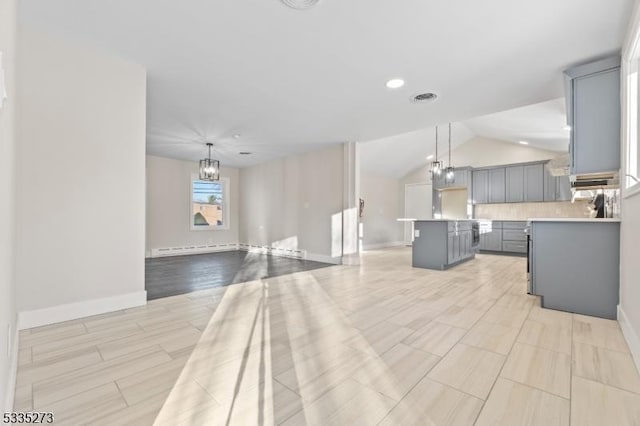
436	166
567	128
523	142
450	171
424	98
395	83
209	169
429	157
300	4
236	136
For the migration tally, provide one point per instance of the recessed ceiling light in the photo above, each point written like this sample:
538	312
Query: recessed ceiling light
567	127
429	157
236	136
395	83
523	142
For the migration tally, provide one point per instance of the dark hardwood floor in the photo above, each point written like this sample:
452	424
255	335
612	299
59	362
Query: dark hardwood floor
169	276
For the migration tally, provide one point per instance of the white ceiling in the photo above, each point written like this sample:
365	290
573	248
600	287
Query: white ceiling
395	156
542	125
289	80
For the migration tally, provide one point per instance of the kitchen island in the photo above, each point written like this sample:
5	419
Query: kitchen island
441	244
574	264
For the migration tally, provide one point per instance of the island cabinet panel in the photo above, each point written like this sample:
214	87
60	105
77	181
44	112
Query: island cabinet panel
441	244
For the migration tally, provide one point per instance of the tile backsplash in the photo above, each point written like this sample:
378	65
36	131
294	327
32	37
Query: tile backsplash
523	211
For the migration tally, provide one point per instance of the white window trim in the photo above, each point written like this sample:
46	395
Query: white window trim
225	206
630	105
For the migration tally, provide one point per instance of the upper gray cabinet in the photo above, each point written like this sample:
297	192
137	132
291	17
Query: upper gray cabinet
496	185
515	184
593	112
534	183
480	195
563	189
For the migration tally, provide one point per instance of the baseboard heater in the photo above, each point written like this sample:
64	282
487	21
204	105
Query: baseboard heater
274	251
194	249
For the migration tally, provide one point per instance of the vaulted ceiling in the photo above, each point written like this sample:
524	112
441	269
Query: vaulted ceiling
286	80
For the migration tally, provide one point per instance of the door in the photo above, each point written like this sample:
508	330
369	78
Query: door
417	205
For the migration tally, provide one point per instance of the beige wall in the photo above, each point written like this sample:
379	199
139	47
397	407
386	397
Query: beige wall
295	202
7	182
81	127
168	205
382	196
481	152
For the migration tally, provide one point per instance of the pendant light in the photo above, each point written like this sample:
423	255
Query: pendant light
450	172
209	169
436	165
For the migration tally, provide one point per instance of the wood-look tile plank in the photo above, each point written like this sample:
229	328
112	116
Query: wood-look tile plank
492	337
514	404
436	338
434	404
605	366
540	368
595	404
468	369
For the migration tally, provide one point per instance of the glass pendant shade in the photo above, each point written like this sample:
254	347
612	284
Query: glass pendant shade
436	165
449	175
209	169
450	172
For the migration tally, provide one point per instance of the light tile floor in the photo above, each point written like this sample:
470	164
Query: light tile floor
382	343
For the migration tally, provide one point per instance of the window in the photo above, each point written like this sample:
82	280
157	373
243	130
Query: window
631	109
209	205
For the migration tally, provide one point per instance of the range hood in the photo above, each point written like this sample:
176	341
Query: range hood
595	181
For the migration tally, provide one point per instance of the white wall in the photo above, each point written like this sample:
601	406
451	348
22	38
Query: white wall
382	201
7	148
80	179
168	205
481	152
295	202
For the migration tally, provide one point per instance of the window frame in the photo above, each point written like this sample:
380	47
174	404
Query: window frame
630	93
226	183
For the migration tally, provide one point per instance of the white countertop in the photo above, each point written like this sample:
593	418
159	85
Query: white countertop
574	219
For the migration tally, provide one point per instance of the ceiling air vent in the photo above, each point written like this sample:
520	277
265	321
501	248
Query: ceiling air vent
300	4
424	97
244	153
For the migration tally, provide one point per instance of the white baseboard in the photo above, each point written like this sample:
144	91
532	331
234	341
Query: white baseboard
191	249
71	311
630	335
378	246
324	258
273	251
13	371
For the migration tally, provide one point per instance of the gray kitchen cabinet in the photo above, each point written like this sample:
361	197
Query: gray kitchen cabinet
515	184
575	266
496	185
534	183
441	244
491	240
594	116
550	186
480	186
556	188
